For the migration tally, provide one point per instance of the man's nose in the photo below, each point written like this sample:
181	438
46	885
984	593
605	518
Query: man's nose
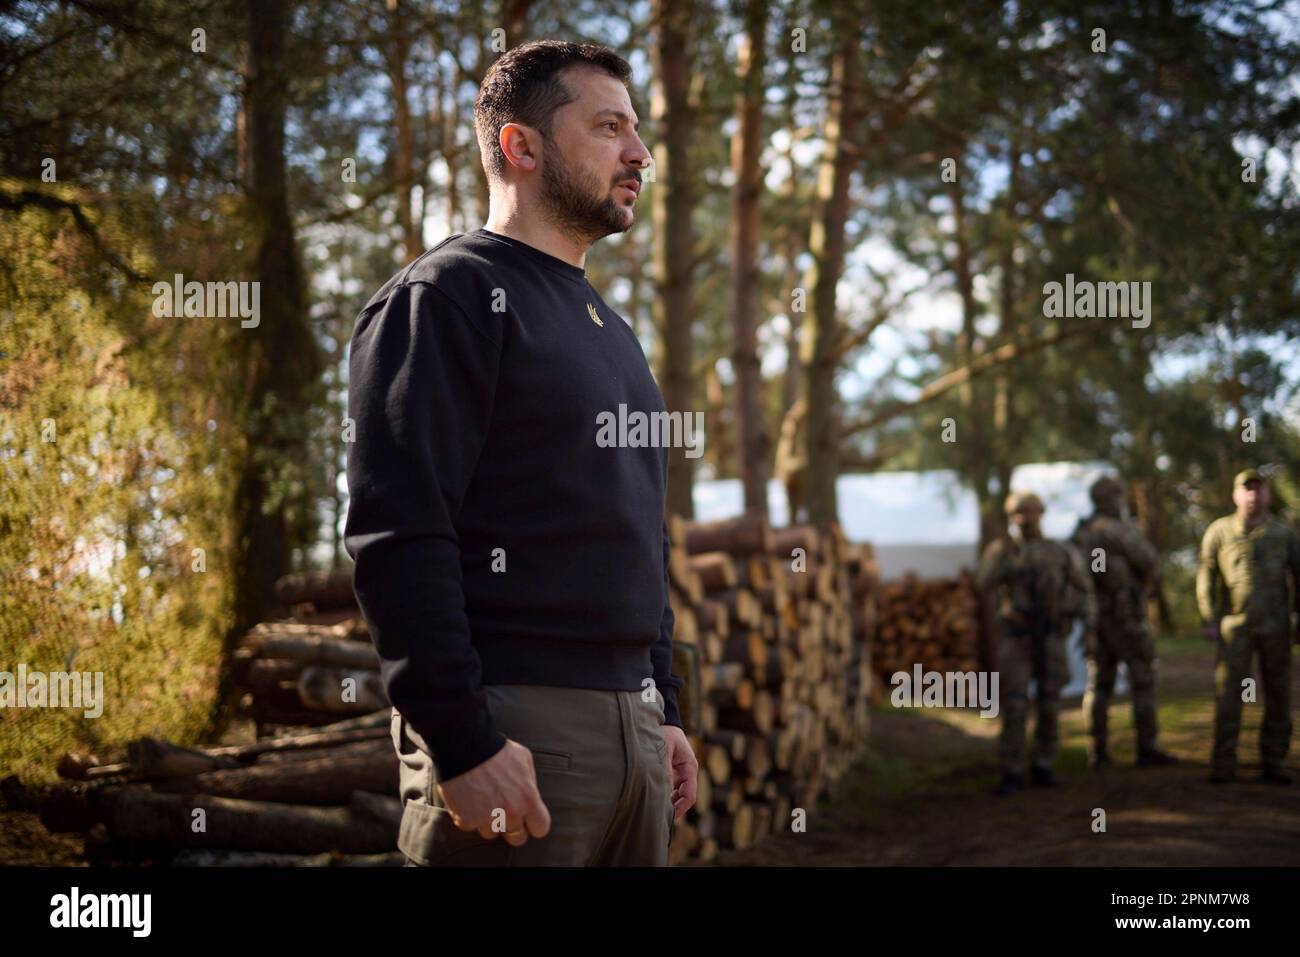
638	156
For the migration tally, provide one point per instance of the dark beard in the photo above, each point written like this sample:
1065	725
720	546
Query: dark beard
570	202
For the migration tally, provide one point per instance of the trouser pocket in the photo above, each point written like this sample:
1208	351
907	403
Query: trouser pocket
431	838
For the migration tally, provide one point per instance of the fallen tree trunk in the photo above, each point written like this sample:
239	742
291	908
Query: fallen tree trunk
318	649
737	536
328	778
134	814
341	689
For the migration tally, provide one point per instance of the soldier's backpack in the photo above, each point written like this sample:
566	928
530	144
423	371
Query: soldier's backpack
1074	598
1096	533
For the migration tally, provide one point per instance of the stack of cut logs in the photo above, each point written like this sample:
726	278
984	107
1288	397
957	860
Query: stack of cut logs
316	667
773	636
312	797
930	622
782	621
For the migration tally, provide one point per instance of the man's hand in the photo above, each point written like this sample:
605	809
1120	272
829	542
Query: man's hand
682	768
507	780
1211	631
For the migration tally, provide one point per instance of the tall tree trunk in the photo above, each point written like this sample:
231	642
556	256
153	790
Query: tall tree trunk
826	243
972	427
754	443
515	15
673	200
634	270
398	52
1005	425
452	152
793	247
715	398
279	359
478	67
242	161
435	125
794	235
1147	488
512	15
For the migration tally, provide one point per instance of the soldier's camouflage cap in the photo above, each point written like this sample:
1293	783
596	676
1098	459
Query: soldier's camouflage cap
1248	475
1023	502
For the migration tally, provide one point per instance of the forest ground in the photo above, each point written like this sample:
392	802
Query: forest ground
922	793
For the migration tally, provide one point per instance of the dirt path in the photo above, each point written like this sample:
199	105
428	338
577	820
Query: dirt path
922	795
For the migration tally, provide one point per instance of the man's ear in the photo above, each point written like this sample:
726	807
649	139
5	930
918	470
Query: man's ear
516	144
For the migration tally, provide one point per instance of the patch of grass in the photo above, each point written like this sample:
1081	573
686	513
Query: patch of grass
875	775
1183	644
914	752
927	751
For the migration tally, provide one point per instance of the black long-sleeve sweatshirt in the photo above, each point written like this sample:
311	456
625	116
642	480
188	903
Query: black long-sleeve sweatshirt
495	540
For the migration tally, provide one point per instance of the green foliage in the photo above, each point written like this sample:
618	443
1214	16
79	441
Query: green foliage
109	480
1123	165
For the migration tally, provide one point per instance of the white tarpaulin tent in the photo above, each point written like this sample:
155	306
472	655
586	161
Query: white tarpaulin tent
927	522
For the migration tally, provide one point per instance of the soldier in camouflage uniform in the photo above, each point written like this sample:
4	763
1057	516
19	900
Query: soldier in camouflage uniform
1039	586
1241	588
1124	566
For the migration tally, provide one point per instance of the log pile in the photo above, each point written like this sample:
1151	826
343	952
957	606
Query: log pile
930	622
313	797
773	634
780	624
310	671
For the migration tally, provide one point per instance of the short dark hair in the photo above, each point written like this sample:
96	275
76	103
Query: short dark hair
524	86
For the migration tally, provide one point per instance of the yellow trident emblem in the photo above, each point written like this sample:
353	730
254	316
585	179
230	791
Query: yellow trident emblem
591	311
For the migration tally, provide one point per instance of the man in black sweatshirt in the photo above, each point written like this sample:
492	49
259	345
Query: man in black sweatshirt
511	552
